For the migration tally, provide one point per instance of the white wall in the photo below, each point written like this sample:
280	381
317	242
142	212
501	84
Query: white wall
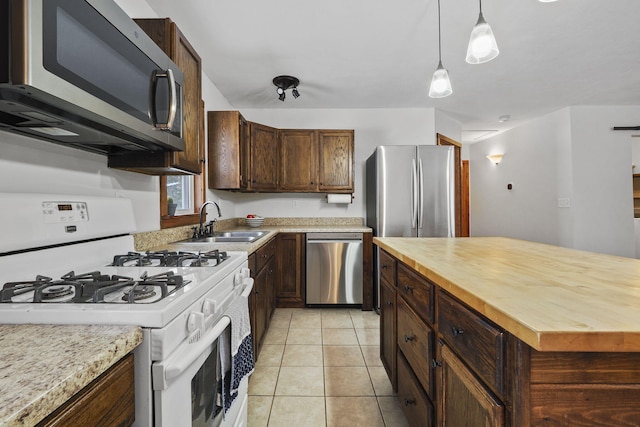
602	201
372	127
528	211
571	154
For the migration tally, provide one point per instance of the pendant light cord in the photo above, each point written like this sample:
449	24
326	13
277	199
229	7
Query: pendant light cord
439	38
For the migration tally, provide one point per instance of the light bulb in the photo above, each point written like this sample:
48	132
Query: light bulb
440	83
482	44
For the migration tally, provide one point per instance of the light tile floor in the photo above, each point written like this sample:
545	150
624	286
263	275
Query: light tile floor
321	367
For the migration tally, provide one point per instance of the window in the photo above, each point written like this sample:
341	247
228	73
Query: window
180	189
188	193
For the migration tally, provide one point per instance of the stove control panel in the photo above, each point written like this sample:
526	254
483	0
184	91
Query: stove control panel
64	212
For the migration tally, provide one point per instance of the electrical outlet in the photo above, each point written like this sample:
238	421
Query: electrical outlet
564	202
294	204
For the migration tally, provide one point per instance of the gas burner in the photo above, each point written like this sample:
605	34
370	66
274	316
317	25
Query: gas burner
138	292
15	289
131	259
170	259
56	292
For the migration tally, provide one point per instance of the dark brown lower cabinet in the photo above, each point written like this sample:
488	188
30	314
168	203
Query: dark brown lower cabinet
414	401
463	400
290	287
107	401
388	331
262	298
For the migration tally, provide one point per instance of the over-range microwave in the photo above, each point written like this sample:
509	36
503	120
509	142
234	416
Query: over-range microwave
83	74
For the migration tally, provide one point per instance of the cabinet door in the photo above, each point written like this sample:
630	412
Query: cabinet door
290	287
228	139
107	401
336	160
270	290
299	160
388	343
260	306
171	40
185	57
264	158
252	303
463	400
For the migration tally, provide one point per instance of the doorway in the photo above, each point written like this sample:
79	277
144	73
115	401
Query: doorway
461	186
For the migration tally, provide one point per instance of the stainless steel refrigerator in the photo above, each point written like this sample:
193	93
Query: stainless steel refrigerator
410	192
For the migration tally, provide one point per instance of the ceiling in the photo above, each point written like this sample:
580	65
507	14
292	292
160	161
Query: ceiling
382	53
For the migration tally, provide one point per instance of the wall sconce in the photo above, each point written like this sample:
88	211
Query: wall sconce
495	158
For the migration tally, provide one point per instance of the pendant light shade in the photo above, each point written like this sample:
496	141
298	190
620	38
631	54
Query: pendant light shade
440	83
482	44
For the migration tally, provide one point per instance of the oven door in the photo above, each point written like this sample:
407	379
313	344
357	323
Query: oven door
189	379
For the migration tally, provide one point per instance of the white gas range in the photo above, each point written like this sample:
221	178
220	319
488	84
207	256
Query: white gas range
70	260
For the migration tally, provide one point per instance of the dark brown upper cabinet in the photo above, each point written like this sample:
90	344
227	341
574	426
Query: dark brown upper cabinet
277	160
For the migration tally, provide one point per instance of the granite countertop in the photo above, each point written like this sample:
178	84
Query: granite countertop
45	365
552	298
272	230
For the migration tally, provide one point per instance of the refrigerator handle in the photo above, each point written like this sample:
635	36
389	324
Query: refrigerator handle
421	193
414	193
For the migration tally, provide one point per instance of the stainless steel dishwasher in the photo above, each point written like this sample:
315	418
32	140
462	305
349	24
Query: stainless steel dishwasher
334	268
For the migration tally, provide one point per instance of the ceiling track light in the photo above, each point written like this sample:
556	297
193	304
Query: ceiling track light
440	84
482	43
285	82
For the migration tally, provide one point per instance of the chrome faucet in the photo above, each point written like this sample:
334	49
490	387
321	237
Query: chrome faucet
205	231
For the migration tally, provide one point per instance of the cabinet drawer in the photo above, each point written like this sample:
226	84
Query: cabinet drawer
479	343
415	340
417	291
388	267
414	402
265	253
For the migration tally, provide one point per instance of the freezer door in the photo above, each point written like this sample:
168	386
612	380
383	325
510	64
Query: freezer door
396	191
436	200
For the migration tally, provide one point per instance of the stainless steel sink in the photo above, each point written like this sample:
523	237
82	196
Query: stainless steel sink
229	237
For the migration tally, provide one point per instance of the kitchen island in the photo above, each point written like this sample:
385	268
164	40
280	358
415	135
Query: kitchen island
507	332
44	366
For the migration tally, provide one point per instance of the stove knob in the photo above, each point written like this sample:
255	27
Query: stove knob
237	279
246	272
208	307
195	321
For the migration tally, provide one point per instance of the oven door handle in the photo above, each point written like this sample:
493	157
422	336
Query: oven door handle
165	372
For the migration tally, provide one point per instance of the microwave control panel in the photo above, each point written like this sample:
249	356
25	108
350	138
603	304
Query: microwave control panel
64	212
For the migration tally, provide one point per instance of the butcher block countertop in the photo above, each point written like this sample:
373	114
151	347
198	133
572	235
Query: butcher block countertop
552	298
43	366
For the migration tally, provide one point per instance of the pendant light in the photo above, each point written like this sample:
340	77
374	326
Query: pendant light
482	44
440	83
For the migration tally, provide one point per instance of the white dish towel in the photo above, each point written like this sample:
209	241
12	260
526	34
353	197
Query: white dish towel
236	351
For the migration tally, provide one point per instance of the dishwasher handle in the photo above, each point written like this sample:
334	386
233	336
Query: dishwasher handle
328	236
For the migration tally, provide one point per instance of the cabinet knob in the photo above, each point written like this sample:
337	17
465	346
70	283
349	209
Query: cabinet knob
408	288
384	266
408	402
407	338
435	364
389	302
456	331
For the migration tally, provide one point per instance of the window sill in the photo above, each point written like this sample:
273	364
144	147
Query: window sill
178	221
